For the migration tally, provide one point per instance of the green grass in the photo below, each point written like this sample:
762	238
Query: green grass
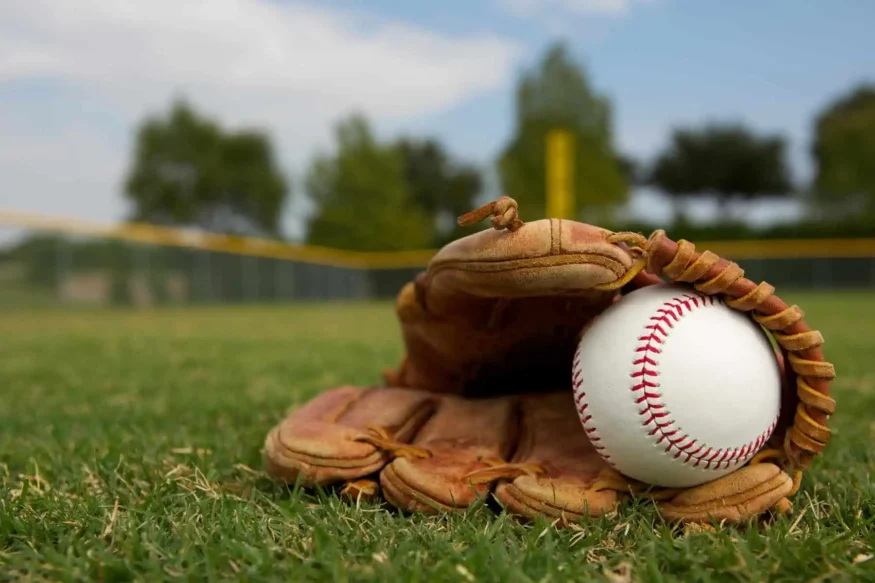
129	449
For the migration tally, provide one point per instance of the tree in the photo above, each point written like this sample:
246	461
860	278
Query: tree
188	171
727	161
844	150
362	197
558	95
630	168
441	188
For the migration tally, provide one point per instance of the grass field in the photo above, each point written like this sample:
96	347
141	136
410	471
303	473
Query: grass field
129	449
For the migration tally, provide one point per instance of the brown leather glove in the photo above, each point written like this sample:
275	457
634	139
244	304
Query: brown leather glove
481	404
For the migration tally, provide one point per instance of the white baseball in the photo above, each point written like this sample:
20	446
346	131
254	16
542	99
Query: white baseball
674	388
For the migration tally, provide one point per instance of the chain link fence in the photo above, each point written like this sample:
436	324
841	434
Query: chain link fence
83	270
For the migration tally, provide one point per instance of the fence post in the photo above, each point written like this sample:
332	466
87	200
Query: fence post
250	278
62	266
823	273
204	275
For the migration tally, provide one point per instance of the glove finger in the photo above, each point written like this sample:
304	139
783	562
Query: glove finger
543	258
320	442
462	437
743	494
497	309
553	440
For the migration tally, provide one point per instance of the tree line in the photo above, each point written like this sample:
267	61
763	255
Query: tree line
378	195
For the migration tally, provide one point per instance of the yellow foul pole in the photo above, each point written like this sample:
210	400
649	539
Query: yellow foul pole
560	175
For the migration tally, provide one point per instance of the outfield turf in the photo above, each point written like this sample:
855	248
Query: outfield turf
129	449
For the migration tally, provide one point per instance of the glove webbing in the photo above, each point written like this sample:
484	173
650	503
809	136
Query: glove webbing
713	275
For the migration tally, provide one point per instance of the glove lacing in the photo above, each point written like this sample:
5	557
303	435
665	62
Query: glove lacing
382	438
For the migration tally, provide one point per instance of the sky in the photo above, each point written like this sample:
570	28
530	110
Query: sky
77	77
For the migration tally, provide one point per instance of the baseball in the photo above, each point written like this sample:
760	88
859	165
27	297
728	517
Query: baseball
674	388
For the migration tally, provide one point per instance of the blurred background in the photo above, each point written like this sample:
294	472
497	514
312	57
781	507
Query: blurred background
226	151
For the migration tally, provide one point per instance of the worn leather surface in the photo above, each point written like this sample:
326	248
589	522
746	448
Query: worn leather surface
551	437
461	437
747	492
317	443
481	403
496	312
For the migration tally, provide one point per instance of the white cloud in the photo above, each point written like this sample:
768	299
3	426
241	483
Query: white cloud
291	67
255	50
527	8
566	18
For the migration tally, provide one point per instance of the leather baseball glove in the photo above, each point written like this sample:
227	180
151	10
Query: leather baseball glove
481	404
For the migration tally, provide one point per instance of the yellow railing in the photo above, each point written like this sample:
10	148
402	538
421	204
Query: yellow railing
193	239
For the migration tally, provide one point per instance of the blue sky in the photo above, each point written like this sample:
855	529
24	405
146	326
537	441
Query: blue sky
76	77
667	62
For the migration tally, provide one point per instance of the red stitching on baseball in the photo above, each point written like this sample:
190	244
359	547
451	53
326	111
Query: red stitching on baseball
644	384
648	348
667	312
652	399
655	327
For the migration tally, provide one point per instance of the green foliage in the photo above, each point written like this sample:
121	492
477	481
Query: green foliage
363	199
727	230
48	259
728	161
630	168
844	149
39	256
439	186
558	95
189	171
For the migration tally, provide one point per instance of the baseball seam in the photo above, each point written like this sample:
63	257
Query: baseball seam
657	419
582	406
